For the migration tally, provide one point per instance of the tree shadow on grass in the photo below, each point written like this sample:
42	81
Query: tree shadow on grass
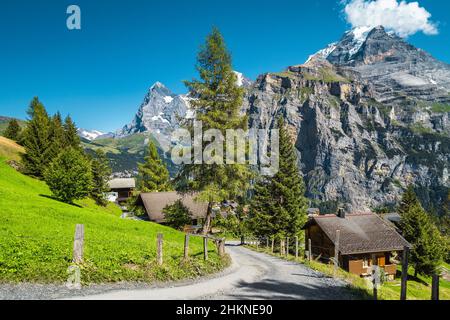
56	199
412	278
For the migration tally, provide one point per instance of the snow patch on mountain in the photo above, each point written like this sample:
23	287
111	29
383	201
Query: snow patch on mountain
168	99
89	134
240	78
160	118
324	53
359	37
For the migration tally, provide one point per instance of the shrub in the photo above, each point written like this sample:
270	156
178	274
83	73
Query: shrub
177	215
69	176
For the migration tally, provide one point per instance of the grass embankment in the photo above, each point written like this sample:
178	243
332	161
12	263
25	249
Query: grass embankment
417	289
10	150
36	240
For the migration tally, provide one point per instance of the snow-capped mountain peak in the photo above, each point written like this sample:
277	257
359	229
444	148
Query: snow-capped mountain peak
242	81
358	44
89	134
359	35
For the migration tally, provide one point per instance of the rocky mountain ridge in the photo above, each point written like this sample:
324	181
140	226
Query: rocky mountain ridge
368	115
362	131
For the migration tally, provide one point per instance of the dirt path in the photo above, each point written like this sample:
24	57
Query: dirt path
252	276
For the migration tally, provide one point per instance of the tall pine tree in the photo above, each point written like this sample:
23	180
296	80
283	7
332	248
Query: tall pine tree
153	174
279	206
217	105
37	140
419	230
71	135
57	135
12	132
101	173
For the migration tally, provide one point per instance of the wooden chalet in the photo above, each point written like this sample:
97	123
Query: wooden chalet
124	188
155	202
364	240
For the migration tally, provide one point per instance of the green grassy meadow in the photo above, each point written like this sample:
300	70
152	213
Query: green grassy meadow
36	240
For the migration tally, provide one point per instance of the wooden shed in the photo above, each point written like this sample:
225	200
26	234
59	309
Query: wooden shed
365	239
154	203
124	188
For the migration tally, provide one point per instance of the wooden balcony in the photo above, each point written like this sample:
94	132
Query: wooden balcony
390	270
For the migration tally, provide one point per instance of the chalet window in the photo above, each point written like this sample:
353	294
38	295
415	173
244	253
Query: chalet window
365	262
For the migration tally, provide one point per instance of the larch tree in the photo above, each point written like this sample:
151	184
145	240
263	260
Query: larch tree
153	173
217	103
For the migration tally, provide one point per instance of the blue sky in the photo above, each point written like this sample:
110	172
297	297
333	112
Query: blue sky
100	74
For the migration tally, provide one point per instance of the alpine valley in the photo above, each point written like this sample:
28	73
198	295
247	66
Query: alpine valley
368	115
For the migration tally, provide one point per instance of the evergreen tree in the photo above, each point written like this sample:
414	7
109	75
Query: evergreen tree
279	206
177	215
12	132
37	140
153	174
71	135
217	105
420	231
69	176
101	173
57	135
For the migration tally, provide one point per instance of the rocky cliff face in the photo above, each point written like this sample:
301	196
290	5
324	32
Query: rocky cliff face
369	115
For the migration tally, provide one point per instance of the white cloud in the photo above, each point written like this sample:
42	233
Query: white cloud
402	17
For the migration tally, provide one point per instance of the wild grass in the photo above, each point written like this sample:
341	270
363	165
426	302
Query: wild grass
10	150
36	240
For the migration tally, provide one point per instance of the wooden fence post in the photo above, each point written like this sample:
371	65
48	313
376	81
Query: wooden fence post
159	251
336	252
78	244
205	248
435	287
273	244
186	247
282	247
375	276
296	247
287	247
267	243
310	254
222	247
257	244
404	284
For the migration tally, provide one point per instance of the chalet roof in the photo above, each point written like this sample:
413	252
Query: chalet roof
122	183
361	233
155	202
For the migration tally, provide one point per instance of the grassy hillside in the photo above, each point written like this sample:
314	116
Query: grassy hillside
10	150
36	239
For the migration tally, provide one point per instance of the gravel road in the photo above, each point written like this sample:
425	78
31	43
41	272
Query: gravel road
252	276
